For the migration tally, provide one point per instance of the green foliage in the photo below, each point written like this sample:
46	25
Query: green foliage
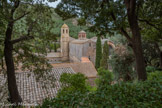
150	69
98	14
156	75
146	94
98	52
81	21
151	53
122	62
105	56
118	39
55	46
151	20
75	25
72	83
71	100
105	77
29	20
91	88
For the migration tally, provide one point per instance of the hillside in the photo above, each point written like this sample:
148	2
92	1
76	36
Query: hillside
72	23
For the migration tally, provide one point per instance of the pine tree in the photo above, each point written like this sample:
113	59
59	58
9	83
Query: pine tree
98	52
105	56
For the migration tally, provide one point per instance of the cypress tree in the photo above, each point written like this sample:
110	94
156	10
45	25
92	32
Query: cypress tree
105	56
55	47
98	52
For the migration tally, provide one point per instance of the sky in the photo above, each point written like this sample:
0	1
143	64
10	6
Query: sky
54	4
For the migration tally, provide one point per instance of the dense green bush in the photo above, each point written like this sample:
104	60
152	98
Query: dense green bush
146	94
123	95
72	83
105	77
157	75
150	69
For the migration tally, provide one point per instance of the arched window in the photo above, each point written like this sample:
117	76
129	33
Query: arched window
66	31
63	31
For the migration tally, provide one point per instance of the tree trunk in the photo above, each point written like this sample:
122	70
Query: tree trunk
161	60
136	39
12	87
138	52
137	48
140	65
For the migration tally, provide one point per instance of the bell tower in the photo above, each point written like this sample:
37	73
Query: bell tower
65	42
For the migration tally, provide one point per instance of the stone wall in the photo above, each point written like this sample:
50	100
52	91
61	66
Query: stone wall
76	50
79	50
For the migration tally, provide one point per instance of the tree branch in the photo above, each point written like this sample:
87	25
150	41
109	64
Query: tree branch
16	5
122	29
22	38
147	22
27	37
126	34
21	16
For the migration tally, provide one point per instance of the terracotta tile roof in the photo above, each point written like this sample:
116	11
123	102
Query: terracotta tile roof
86	68
32	91
85	59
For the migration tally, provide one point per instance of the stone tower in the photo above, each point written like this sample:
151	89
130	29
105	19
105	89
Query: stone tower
82	35
65	42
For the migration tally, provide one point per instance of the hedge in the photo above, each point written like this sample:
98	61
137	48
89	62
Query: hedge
146	94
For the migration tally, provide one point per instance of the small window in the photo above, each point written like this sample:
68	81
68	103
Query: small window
66	31
63	30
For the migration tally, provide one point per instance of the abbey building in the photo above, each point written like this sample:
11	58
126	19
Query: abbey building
76	50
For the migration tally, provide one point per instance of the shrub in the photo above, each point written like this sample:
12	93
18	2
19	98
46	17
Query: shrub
72	83
157	75
150	69
146	94
104	77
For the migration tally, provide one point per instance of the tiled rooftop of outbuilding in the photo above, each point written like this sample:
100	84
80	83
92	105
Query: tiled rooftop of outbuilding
32	91
86	68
